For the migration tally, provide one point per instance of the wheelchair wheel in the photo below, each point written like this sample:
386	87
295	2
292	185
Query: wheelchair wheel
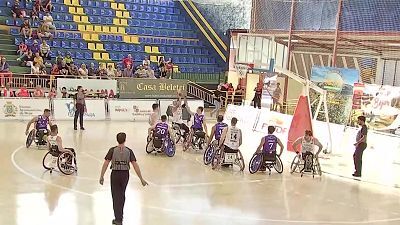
47	161
170	149
216	159
65	163
278	166
149	147
177	133
255	163
30	138
317	167
208	155
240	161
295	164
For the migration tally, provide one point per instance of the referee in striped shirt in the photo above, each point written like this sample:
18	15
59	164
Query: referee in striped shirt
120	156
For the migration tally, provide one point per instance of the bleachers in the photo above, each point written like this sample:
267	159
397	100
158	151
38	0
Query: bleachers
95	31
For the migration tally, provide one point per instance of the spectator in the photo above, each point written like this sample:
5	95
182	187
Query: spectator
146	61
23	92
140	73
161	67
4	70
26	29
83	72
45	50
68	59
127	61
64	93
38	5
7	91
149	72
53	93
63	68
55	70
276	96
48	21
169	67
22	49
110	71
34	15
47	6
44	32
35	68
92	71
38	93
16	11
27	58
118	72
102	71
73	70
35	47
39	60
128	71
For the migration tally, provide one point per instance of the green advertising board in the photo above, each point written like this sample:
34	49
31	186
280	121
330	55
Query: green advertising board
151	88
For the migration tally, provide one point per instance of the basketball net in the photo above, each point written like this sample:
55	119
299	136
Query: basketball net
242	70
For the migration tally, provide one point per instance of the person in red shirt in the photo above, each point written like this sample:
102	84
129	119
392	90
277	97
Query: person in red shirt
257	95
7	91
23	92
127	61
38	93
52	93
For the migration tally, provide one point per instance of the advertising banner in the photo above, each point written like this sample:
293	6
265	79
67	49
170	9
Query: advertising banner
151	88
22	109
246	115
64	109
89	85
332	79
130	110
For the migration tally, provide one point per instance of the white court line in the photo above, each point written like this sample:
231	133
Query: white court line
224	216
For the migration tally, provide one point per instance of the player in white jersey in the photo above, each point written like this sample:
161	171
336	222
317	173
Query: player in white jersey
231	138
307	143
54	143
177	116
153	118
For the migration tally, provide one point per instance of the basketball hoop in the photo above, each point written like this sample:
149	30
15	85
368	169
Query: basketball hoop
243	69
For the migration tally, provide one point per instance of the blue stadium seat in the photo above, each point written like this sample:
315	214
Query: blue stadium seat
148	32
121	56
168	18
88	55
74	44
158	24
156	9
149	9
114	56
96	12
17	41
210	69
180	26
139	48
191	51
197	60
79	55
73	27
163	10
179	42
124	47
9	22
83	2
65	44
204	51
143	23
177	50
204	61
108	46
77	36
107	20
103	37
83	45
68	35
198	51
212	61
141	31
115	47
141	8
162	49
157	41
132	48
173	26
190	60
111	38
118	38
170	11
156	33
150	24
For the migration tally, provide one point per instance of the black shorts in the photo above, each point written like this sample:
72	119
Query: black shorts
230	150
269	156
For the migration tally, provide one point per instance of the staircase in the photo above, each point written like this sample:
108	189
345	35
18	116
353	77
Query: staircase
200	92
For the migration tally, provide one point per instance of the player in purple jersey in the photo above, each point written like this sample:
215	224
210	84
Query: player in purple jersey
41	123
268	145
198	123
216	130
161	129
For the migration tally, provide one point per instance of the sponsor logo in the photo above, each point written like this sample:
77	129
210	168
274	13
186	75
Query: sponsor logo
71	110
140	112
10	110
277	122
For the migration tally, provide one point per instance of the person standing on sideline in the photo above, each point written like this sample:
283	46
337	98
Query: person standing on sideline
120	156
361	145
217	101
257	95
80	107
276	96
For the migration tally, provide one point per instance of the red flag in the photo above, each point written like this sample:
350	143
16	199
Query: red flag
301	122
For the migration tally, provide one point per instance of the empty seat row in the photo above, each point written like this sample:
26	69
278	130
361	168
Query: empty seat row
193	60
97	4
167	41
159	24
149	9
123	47
156	16
195	69
161	33
184	50
166	3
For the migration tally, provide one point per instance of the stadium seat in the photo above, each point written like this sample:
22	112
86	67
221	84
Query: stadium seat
105	56
92	46
147	49
96	56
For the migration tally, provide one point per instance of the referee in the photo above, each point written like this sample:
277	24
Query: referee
80	107
120	156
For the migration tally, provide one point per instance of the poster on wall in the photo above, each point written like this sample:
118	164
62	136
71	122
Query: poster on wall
270	90
339	80
64	109
22	109
151	88
89	85
138	110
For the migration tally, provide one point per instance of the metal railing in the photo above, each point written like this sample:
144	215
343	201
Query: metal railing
202	78
200	92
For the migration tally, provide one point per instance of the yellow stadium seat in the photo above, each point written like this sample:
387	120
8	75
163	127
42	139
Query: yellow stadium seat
135	39
99	46
89	28
127	39
91	46
72	10
114	5
97	28
121	6
105	56
126	14
106	29
121	30
81	27
118	14
96	55
155	49
67	2
95	37
86	36
79	10
147	49
76	18
124	22
75	2
116	21
84	19
114	30
153	58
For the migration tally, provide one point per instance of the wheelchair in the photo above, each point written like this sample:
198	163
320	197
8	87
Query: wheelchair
179	134
227	157
307	163
209	152
161	145
65	161
267	161
37	136
198	141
